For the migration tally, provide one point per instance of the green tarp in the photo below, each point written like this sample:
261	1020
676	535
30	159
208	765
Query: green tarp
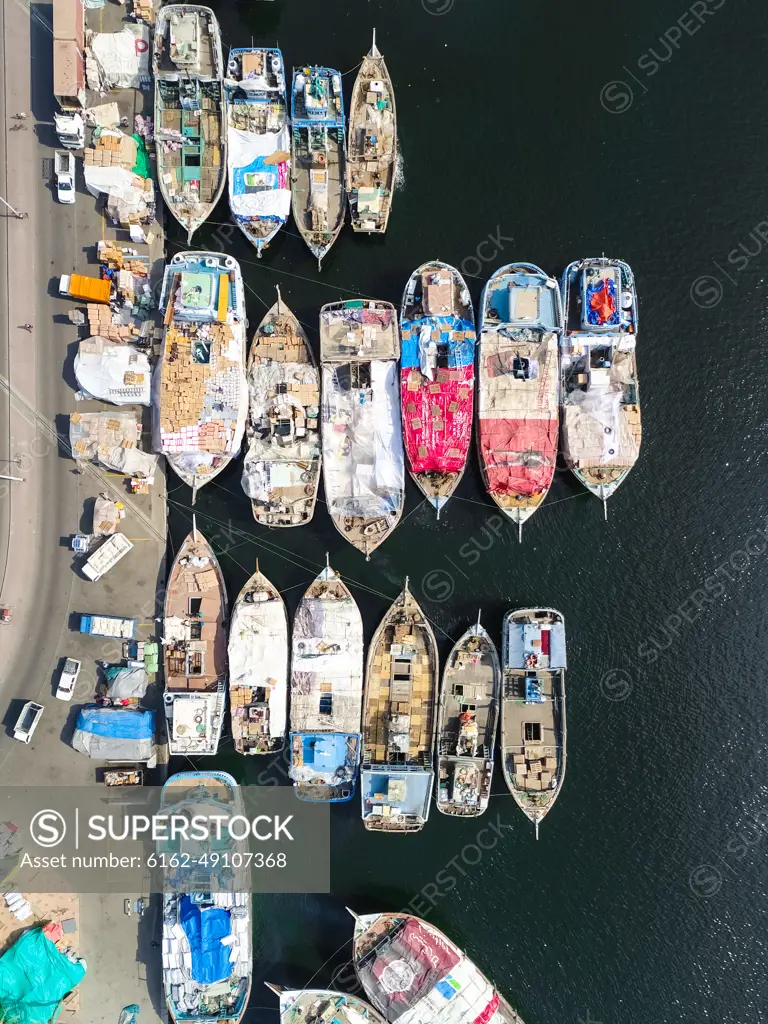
142	166
34	978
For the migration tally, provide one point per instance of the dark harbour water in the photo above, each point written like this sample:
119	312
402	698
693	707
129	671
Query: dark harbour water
645	899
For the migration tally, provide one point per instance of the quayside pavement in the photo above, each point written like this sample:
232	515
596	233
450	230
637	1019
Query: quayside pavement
40	513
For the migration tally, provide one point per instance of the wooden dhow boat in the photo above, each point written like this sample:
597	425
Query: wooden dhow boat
466	724
207	959
318	1005
326	691
281	471
318	157
201	399
190	112
533	728
258	143
600	392
414	974
521	322
195	649
258	668
399	718
437	378
361	431
372	150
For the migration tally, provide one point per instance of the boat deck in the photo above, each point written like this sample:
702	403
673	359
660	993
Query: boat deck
372	147
282	464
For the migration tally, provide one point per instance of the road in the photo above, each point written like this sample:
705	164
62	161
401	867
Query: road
38	515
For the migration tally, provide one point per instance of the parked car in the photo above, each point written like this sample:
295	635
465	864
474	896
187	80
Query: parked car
65	177
68	679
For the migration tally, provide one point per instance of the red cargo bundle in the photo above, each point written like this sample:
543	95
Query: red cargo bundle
437	419
506	447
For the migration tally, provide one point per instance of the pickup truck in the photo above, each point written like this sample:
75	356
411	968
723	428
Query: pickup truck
104	557
108	625
64	163
27	721
68	679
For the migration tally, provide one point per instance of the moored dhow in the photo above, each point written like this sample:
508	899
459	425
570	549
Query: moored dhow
372	150
399	717
600	392
437	378
414	974
361	431
202	394
190	112
206	953
258	668
326	691
521	322
195	649
533	728
281	470
315	1006
258	143
318	157
466	724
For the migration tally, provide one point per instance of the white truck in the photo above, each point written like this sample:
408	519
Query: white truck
70	128
27	721
104	557
64	163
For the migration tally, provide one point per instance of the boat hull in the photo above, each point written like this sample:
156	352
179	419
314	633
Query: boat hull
281	471
600	412
372	147
521	322
437	378
466	725
533	707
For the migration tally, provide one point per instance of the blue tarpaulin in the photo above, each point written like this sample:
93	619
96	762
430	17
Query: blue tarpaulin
461	352
117	723
204	930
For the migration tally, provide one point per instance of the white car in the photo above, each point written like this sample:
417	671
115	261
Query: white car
68	679
65	177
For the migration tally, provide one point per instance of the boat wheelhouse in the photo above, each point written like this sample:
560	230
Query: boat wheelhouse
258	143
190	112
319	157
437	378
533	727
521	323
599	387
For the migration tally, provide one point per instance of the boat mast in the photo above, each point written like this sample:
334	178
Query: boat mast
536	823
194	528
279	296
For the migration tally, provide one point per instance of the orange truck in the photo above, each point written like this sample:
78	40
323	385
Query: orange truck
89	289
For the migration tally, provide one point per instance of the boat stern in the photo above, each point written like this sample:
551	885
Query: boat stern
395	800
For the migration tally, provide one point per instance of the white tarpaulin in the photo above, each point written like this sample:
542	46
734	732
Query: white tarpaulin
591	427
107	115
114	373
362	442
132	462
258	653
101	180
258	188
122	57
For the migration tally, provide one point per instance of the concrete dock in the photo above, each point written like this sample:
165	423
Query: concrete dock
50	500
